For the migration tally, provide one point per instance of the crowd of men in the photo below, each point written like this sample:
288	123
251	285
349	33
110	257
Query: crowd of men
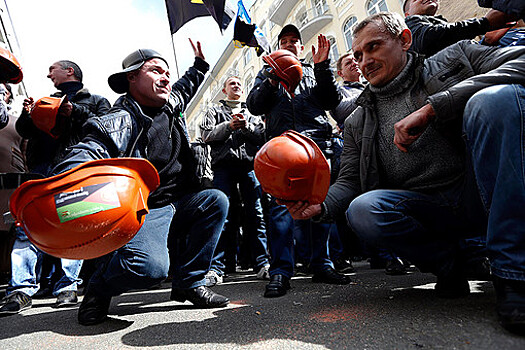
430	168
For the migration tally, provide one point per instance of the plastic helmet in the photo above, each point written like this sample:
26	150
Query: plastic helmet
10	69
44	114
286	67
88	211
292	167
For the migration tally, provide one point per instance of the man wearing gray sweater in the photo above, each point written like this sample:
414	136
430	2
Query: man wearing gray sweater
407	181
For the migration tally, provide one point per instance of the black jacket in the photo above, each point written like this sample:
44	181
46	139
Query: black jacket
431	34
43	151
316	93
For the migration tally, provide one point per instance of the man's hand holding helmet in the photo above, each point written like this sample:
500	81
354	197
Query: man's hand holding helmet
301	210
238	122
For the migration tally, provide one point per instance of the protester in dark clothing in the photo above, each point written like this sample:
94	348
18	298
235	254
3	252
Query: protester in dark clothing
42	154
512	7
235	136
418	195
183	220
432	33
305	113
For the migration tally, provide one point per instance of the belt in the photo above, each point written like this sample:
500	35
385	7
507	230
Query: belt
13	180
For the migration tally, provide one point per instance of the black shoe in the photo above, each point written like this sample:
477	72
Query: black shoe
395	267
201	296
330	276
343	266
452	287
66	298
14	303
510	305
94	309
277	287
477	269
42	293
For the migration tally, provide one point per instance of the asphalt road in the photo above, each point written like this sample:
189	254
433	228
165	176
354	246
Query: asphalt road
374	312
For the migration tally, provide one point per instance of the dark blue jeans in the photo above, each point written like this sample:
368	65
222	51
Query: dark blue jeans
191	227
281	228
494	122
226	179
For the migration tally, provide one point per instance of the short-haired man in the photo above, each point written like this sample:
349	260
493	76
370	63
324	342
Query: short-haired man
405	182
147	122
304	113
234	136
432	33
42	154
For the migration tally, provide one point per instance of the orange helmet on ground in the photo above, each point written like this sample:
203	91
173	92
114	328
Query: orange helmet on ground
44	114
10	69
88	211
286	67
292	167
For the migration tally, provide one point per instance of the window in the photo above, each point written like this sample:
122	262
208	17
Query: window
247	56
334	52
375	6
320	7
248	83
348	28
302	18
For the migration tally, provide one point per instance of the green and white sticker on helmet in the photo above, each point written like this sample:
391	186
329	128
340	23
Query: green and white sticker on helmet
86	201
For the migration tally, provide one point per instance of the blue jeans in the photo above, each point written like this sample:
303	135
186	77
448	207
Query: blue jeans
494	122
26	260
281	228
226	179
190	227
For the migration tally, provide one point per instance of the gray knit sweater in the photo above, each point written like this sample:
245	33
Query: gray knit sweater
431	162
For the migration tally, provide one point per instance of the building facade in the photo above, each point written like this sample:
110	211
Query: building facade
333	18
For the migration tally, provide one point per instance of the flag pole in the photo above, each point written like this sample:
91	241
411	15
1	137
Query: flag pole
175	56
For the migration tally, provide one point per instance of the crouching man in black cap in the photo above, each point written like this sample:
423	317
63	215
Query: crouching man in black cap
147	122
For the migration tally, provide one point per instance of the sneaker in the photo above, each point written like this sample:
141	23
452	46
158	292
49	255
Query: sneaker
94	309
264	273
343	266
66	298
15	303
213	278
510	305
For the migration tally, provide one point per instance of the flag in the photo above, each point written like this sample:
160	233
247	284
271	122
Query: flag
246	33
183	11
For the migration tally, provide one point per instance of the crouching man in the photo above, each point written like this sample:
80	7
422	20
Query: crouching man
147	122
406	182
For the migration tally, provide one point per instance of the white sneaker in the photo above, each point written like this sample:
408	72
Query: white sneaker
264	273
212	278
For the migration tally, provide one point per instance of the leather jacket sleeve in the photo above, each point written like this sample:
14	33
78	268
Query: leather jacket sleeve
81	113
263	95
488	66
325	90
185	88
432	35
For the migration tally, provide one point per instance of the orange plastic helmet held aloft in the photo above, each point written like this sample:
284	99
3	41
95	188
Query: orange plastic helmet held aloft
88	211
287	67
10	69
44	114
292	167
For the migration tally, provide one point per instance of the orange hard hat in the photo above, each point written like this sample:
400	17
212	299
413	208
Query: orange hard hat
44	114
292	167
88	211
10	69
286	67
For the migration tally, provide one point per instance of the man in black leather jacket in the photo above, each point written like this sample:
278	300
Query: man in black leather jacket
147	122
432	33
